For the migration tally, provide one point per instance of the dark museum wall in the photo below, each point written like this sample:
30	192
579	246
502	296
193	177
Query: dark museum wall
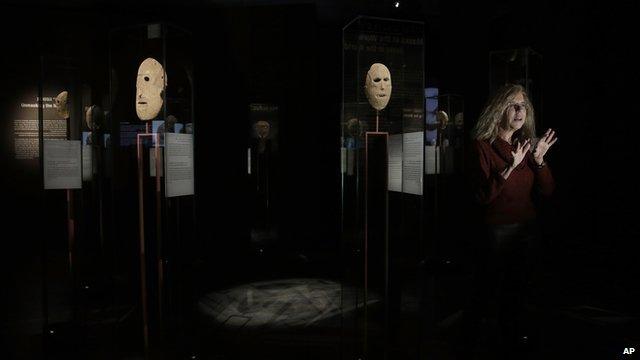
289	54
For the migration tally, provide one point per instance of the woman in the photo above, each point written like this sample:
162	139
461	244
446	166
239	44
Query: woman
508	168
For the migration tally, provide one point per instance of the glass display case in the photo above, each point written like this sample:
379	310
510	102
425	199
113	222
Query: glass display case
50	131
445	189
519	66
112	141
382	152
152	134
262	168
60	129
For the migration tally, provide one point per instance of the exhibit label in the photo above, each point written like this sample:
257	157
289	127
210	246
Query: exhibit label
62	164
179	164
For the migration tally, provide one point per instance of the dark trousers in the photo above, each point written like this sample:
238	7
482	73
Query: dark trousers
503	285
512	256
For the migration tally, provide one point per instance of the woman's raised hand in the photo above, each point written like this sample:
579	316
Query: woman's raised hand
543	146
520	152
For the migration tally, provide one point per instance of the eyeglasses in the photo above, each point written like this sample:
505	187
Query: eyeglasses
517	106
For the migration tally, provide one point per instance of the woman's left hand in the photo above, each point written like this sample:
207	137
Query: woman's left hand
543	146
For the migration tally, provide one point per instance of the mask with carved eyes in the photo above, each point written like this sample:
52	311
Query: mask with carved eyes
354	128
94	117
169	124
458	120
443	119
150	87
378	86
262	129
62	104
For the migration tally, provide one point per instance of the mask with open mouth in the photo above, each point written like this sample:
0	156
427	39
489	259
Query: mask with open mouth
378	86
150	87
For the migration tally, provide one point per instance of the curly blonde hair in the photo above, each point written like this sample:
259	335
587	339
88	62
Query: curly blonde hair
494	115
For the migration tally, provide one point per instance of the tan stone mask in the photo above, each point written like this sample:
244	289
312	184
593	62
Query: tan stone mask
89	117
62	104
150	87
443	119
378	86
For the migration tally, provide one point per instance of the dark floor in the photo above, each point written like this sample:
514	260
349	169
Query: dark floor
570	317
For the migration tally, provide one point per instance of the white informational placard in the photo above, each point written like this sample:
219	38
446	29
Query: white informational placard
62	164
152	161
395	163
432	159
178	164
87	163
412	162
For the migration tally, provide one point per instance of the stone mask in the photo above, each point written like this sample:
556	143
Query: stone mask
262	129
150	87
378	86
170	124
458	120
62	104
94	117
443	119
355	128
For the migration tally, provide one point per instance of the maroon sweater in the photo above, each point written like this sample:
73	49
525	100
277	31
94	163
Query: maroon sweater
507	201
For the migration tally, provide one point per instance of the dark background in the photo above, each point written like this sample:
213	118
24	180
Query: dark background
289	53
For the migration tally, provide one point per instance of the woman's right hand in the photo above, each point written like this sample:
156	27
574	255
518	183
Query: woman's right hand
520	153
